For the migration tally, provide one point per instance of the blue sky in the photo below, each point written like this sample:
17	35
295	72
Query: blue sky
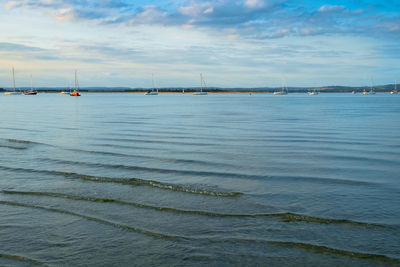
242	43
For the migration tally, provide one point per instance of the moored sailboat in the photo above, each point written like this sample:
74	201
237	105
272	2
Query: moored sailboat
371	91
75	92
394	91
284	90
153	90
201	86
14	92
30	92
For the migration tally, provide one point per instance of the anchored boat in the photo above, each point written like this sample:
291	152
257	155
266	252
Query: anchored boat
284	90
30	92
395	88
14	92
201	86
75	92
153	90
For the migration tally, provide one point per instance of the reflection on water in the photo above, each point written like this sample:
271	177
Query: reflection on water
226	179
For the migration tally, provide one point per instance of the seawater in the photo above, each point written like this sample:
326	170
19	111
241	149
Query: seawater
181	180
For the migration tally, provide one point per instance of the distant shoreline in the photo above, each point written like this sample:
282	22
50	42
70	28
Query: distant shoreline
189	93
325	89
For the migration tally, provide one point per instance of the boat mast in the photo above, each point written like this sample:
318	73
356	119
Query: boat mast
201	82
372	82
395	85
13	78
152	80
283	83
76	82
31	83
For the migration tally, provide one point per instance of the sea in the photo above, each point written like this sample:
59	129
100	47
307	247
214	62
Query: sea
229	179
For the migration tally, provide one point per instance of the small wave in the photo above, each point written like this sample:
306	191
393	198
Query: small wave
127	147
106	153
90	218
131	181
139	205
309	247
21	258
22	129
293	217
129	140
13	147
211	173
21	141
333	251
137	181
285	217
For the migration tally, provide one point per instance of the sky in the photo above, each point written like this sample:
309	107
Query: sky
234	43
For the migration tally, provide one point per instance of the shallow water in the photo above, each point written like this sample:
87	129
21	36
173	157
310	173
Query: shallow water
222	179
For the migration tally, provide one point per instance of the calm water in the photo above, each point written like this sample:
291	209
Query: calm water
223	179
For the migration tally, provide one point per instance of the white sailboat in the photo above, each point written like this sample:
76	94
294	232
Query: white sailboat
13	92
153	90
314	92
64	92
395	88
201	86
284	90
371	91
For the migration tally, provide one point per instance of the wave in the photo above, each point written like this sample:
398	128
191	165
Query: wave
131	181
320	249
20	258
327	250
21	141
13	147
90	218
128	147
190	161
22	129
285	217
211	173
129	140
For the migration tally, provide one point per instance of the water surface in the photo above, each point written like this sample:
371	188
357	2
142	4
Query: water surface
222	179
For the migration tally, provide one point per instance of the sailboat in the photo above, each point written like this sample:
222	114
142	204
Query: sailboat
314	92
201	86
153	90
371	91
284	89
13	92
30	92
395	88
75	92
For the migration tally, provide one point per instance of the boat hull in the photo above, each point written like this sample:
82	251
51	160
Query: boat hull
200	93
12	93
30	93
280	93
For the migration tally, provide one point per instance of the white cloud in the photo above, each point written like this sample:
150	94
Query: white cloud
150	15
194	9
209	10
331	8
254	3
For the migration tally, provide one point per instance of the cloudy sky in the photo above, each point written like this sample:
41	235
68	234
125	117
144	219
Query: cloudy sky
234	43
